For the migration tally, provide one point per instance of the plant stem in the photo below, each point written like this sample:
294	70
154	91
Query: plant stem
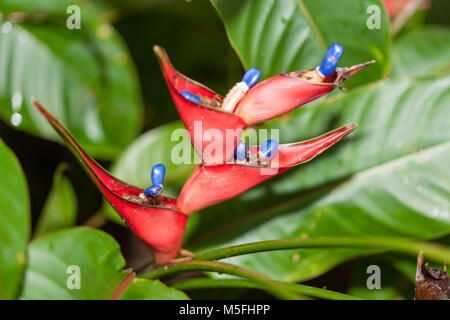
97	220
434	252
276	288
283	290
205	283
123	286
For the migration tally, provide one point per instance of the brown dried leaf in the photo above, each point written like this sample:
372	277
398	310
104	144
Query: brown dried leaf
431	284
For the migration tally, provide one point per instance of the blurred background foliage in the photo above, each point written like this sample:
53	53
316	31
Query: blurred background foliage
104	83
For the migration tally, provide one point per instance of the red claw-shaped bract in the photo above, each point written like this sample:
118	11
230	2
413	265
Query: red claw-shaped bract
282	93
204	119
268	99
161	227
222	182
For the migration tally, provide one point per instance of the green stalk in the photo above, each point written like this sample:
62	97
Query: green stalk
206	283
435	252
276	288
283	290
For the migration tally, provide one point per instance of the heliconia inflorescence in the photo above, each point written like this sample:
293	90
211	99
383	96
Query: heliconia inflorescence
237	177
160	221
263	100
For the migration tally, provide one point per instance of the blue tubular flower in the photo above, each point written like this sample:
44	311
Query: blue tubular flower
268	150
158	172
251	77
153	192
191	97
331	60
241	151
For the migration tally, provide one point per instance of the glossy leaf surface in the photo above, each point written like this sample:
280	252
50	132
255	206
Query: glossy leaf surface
57	259
422	51
95	255
285	35
15	225
85	76
60	208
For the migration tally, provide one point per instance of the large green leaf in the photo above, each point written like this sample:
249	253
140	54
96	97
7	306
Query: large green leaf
85	77
15	223
143	289
50	257
55	259
422	51
153	147
60	209
390	177
287	35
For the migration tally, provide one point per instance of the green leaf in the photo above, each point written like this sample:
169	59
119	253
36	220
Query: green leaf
143	289
422	51
84	77
288	35
388	178
280	290
15	223
56	260
153	147
50	257
60	209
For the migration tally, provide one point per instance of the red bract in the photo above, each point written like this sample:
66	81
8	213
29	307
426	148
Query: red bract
161	227
207	119
268	99
285	92
209	185
396	7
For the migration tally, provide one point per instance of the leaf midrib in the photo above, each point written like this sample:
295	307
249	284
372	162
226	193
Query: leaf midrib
313	25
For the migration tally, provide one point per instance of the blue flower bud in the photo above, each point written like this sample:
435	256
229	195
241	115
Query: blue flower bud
331	59
241	150
158	172
191	97
251	77
268	149
153	192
